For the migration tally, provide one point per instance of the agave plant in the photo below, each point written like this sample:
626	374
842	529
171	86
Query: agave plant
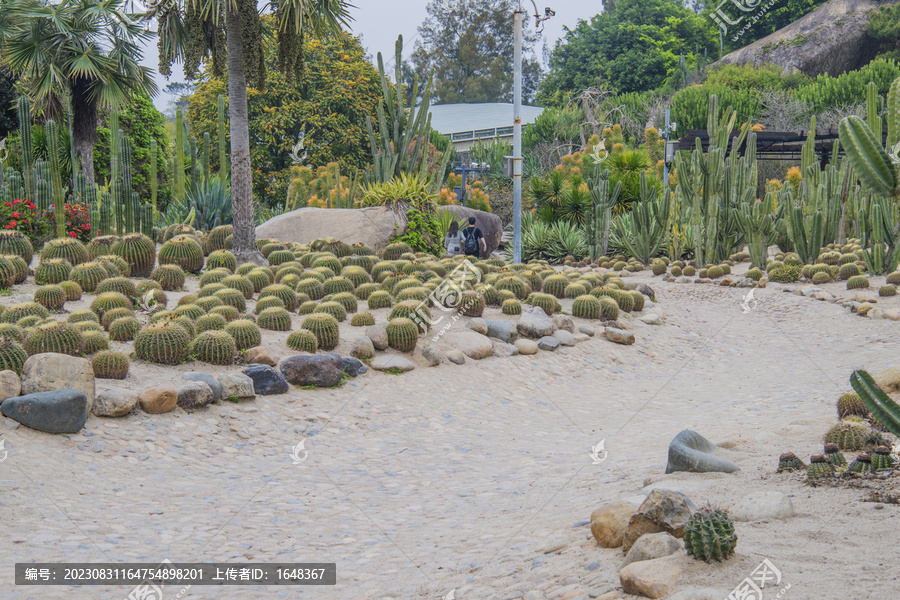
401	193
550	242
210	199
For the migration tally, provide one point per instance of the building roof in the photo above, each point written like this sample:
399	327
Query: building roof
455	118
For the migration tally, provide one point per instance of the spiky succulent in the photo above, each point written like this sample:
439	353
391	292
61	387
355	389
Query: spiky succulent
12	355
241	284
311	287
518	286
303	340
108	364
115	265
324	327
362	319
609	308
191	311
52	271
308	307
788	461
511	306
221	259
164	342
882	459
208	290
861	464
232	297
851	435
246	333
395	251
210	323
283	293
214	347
586	307
335	309
848	270
347	300
170	277
16	242
215	276
411	309
709	535
113	314
55	336
16	312
94	341
547	302
851	405
184	251
100	246
471	303
72	290
402	334
275	319
857	282
68	248
139	252
88	275
268	302
118	284
229	313
51	297
82	314
110	300
833	454
887	291
625	301
124	329
380	299
365	290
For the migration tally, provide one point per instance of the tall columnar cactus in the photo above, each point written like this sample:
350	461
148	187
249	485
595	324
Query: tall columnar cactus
42	194
115	135
56	184
103	215
128	208
756	220
179	154
118	201
223	152
154	155
26	147
879	404
206	150
600	212
147	211
195	162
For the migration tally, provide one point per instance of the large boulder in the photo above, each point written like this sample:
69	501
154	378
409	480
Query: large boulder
490	225
831	39
320	370
373	226
690	451
472	344
50	371
58	411
663	510
534	323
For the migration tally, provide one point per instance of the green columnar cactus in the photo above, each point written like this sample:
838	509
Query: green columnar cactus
303	340
223	154
127	187
881	407
246	333
163	342
119	205
709	535
833	454
597	223
214	347
402	334
57	337
154	178
207	174
325	328
56	182
139	252
51	297
12	355
26	148
103	215
788	461
124	329
819	466
110	365
183	251
179	154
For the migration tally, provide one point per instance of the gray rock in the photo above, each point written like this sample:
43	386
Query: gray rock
478	325
364	348
565	337
384	362
581	337
431	355
534	323
10	385
548	342
648	304
353	367
209	380
763	505
650	546
810	291
320	370
619	336
195	394
651	578
373	226
57	411
49	372
690	451
504	349
563	323
266	380
650	319
526	347
645	290
501	330
114	403
586	329
663	510
378	335
684	279
237	385
456	357
474	345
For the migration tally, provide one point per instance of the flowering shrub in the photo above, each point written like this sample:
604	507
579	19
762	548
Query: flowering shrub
25	216
78	221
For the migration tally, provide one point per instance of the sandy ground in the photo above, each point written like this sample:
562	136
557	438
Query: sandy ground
473	478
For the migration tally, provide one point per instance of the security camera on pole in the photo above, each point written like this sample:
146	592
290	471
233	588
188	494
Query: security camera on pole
513	167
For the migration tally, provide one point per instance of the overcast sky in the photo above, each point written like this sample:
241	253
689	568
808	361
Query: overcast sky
379	24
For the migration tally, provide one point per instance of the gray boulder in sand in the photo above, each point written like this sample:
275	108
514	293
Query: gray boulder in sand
534	323
58	411
373	226
690	451
504	331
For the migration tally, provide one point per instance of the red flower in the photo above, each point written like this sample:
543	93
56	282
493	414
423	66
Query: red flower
9	203
73	234
12	223
16	215
24	220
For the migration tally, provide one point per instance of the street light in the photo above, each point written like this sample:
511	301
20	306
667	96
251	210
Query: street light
518	19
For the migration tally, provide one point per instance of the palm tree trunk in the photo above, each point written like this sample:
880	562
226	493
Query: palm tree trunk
84	126
244	246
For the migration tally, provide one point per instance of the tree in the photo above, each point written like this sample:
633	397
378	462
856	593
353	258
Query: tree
193	31
81	51
469	45
180	92
632	48
330	106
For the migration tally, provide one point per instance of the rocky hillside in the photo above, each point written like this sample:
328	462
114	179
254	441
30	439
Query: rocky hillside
832	39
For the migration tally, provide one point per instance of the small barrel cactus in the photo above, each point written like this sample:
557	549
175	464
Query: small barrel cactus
882	459
139	252
12	355
115	265
94	341
511	306
402	334
73	290
311	287
347	300
163	342
819	466
246	333
118	284
184	251
240	283
210	323
586	307
471	303
221	259
788	461
857	282
191	311
267	302
851	405
16	312
609	308
303	340
102	245
308	307
848	270
379	299
51	297
821	278
83	314
216	276
124	329
232	297
229	313
110	365
324	327
275	319
214	347
849	435
518	286
547	302
52	271
833	454
284	293
887	291
57	337
709	535
335	309
16	242
362	319
116	313
88	275
861	464
170	277
556	285
66	247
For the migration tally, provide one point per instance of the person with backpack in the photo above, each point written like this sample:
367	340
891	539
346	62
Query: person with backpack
473	239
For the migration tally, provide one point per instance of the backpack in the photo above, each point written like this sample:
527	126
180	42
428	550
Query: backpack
471	241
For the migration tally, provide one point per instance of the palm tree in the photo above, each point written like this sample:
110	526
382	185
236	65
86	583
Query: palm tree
83	52
192	30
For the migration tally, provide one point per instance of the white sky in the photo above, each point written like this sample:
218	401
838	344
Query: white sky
379	24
